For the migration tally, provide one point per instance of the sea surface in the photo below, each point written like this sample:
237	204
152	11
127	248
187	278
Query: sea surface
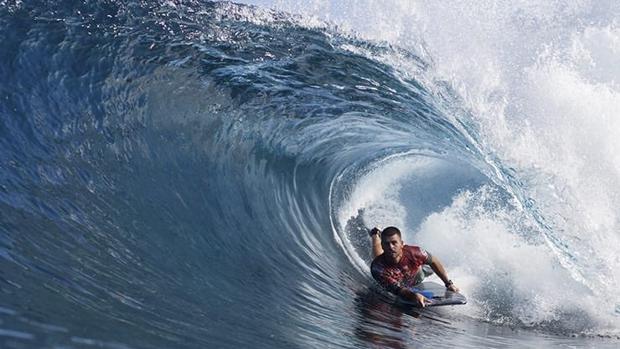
194	174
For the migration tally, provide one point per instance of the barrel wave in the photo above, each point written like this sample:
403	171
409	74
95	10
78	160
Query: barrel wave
197	174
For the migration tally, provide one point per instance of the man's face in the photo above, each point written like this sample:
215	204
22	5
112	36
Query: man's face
392	247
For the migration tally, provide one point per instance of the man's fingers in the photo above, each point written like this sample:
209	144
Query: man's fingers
374	231
423	301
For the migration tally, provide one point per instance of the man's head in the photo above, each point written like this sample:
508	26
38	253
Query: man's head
392	244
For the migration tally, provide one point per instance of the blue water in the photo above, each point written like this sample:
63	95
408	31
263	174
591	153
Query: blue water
201	175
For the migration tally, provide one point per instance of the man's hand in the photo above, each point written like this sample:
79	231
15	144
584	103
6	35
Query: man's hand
422	301
452	287
411	296
374	231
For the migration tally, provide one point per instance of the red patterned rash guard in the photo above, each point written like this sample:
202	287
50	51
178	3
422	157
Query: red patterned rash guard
406	273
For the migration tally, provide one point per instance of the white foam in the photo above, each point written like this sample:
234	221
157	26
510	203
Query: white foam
498	269
541	80
551	114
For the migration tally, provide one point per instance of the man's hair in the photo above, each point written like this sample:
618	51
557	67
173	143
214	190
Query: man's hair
389	231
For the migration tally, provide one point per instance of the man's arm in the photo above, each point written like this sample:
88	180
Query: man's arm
375	235
394	287
441	272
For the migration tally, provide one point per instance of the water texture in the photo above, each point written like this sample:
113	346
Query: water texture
202	174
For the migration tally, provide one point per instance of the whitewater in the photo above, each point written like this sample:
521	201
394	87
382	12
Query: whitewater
193	174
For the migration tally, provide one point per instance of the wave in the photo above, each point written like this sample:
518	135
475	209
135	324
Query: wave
203	174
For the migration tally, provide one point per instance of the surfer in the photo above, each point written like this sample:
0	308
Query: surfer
399	267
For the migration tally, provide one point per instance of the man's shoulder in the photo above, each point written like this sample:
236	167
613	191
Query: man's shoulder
416	251
412	248
378	261
377	267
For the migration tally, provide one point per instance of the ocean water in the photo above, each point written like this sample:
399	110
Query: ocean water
193	174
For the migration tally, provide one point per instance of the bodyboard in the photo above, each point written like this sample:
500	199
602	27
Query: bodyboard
438	294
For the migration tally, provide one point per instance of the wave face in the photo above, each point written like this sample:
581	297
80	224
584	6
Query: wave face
202	174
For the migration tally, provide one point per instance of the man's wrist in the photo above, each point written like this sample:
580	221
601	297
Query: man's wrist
449	283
